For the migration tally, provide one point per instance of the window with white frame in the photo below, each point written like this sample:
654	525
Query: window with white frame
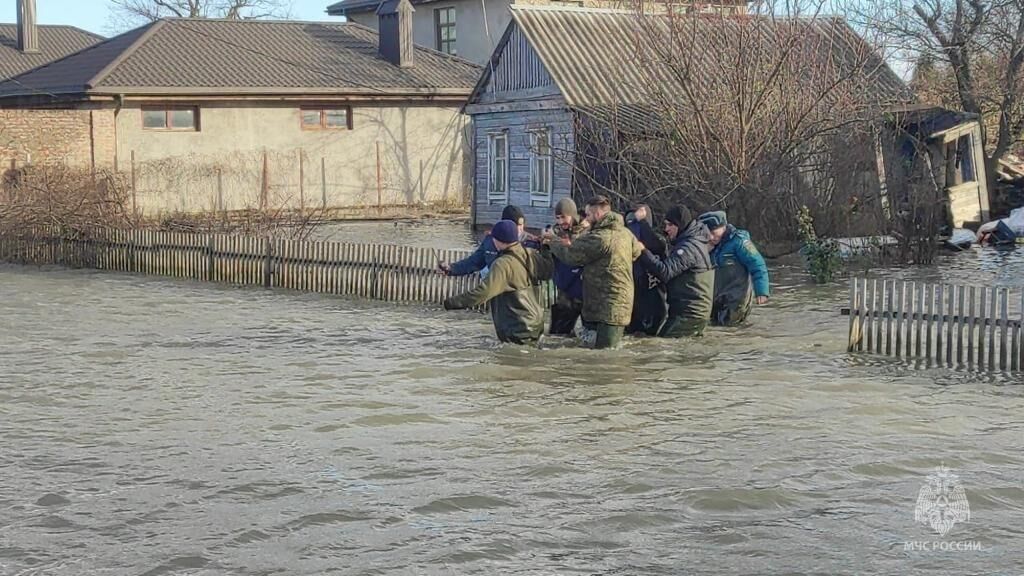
497	167
541	168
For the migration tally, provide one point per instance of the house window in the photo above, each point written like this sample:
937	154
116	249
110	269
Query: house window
181	118
541	169
444	24
327	118
497	168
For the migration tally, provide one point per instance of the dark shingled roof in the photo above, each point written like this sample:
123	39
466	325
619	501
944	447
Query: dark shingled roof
55	42
229	57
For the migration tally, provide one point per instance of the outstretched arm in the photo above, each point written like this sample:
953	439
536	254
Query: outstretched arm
475	262
495	284
673	265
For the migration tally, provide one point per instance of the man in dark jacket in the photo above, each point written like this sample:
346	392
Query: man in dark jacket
511	287
568	278
740	272
649	298
686	272
485	254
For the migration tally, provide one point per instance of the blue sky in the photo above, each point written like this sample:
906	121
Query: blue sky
94	15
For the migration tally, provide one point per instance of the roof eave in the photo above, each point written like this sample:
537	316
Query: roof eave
274	92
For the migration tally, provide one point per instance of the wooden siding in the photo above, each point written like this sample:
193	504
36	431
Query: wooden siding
518	125
519	68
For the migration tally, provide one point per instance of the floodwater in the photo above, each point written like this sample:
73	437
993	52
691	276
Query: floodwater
156	427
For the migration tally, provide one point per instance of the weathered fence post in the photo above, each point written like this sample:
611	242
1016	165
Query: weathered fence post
323	182
268	262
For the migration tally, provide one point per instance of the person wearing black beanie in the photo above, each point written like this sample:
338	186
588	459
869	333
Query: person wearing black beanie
687	273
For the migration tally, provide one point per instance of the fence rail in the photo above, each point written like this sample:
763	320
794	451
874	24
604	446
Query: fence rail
951	325
376	271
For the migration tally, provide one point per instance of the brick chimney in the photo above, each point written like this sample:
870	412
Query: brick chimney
394	18
28	29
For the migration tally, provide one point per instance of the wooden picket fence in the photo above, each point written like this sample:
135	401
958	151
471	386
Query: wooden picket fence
951	325
376	271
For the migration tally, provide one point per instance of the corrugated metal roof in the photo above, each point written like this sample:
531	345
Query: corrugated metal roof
225	57
607	57
55	42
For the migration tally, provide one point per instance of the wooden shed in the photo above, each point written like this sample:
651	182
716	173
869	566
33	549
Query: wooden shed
944	150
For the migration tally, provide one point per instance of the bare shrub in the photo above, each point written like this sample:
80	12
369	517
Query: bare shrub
59	196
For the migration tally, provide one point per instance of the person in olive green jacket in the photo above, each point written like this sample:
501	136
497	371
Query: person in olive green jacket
687	273
511	287
606	253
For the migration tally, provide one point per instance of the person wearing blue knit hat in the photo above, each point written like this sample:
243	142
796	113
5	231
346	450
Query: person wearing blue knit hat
741	275
512	287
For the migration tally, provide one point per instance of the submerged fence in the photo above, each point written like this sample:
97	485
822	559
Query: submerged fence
949	325
377	271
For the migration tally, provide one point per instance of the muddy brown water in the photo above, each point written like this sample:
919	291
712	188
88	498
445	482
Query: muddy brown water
152	427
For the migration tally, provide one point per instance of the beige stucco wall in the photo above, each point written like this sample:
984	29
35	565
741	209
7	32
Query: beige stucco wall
421	148
473	41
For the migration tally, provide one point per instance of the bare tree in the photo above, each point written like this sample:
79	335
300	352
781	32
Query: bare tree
128	13
756	114
978	44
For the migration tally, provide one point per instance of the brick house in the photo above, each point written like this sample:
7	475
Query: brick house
23	47
212	113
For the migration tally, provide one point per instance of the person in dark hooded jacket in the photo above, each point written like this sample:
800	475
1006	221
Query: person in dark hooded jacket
512	288
568	278
649	298
687	273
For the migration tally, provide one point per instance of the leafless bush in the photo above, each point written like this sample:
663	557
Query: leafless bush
76	201
279	223
72	200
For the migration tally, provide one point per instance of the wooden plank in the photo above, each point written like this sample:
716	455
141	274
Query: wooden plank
919	313
1004	328
851	338
900	302
940	301
872	301
971	324
887	299
908	304
982	311
960	325
1020	329
950	307
992	330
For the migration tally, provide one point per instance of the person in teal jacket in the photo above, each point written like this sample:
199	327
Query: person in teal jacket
741	275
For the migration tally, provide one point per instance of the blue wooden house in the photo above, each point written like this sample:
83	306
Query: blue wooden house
558	77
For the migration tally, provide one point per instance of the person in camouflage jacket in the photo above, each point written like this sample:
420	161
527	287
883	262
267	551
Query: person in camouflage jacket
606	254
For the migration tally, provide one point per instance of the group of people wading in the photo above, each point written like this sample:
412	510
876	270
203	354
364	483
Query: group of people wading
615	274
